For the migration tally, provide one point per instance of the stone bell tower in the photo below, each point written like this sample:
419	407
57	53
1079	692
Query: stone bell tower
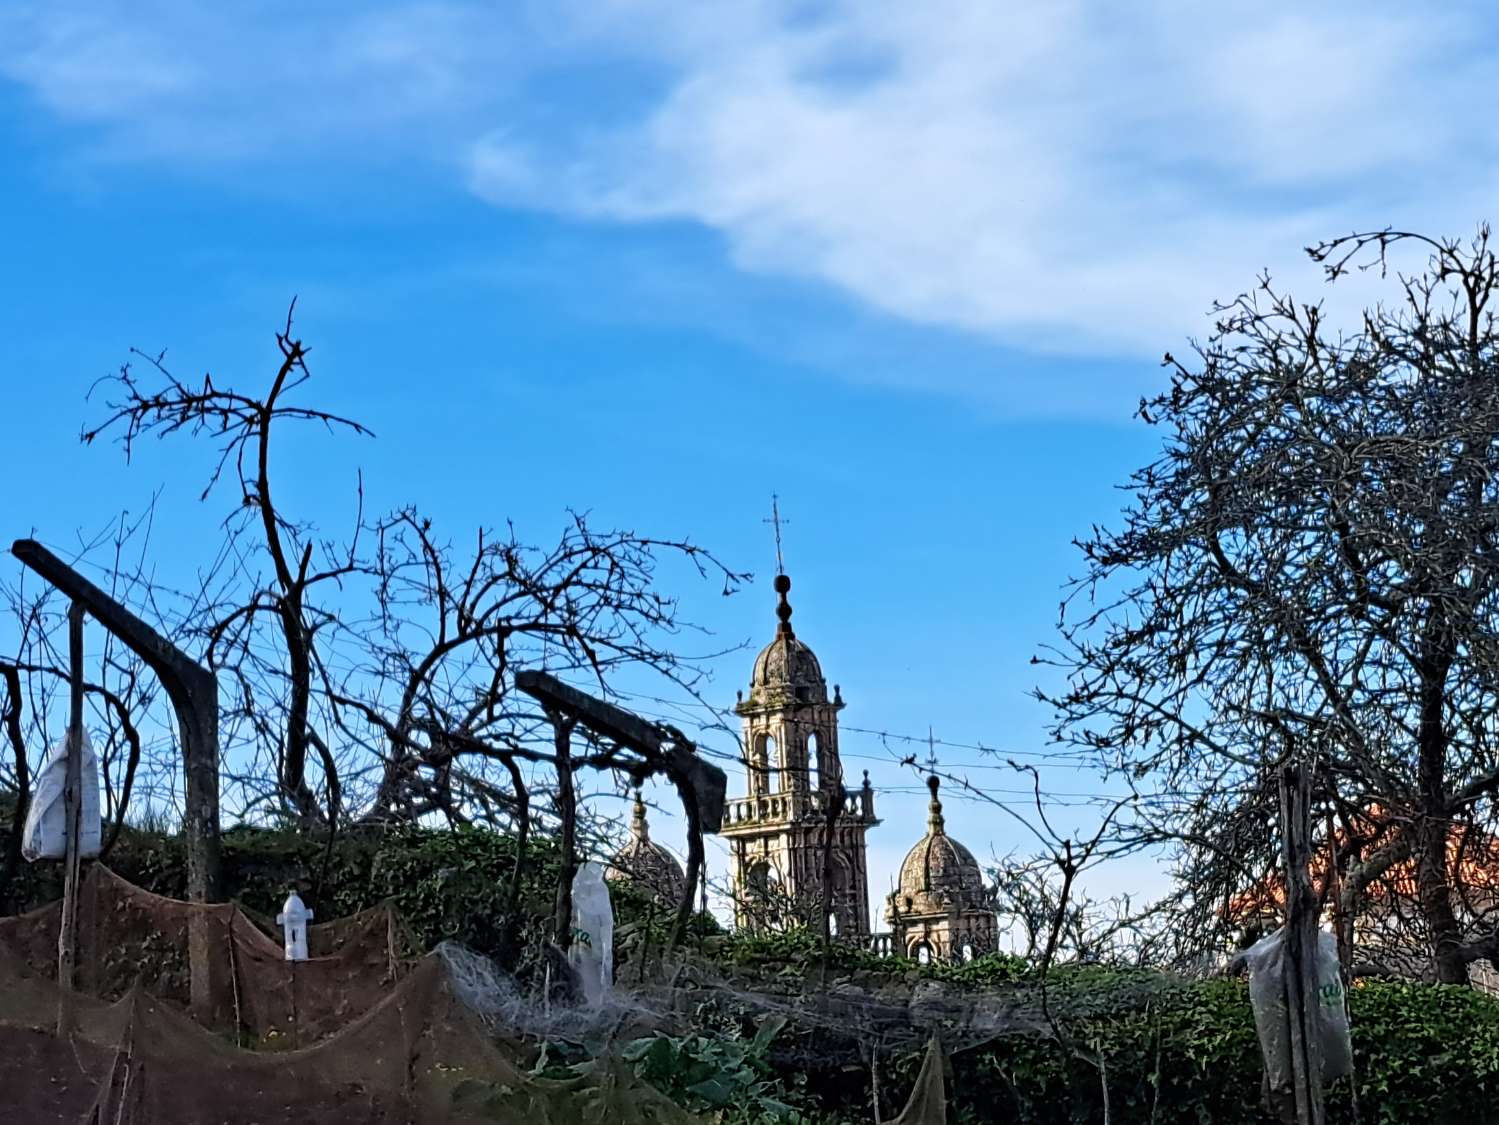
776	832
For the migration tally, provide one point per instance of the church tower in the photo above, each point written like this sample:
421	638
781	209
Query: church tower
943	909
776	832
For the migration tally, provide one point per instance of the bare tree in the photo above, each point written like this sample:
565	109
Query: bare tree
242	425
391	656
448	632
372	678
1311	562
1034	896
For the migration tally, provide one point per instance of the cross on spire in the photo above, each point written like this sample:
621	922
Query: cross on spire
935	825
776	521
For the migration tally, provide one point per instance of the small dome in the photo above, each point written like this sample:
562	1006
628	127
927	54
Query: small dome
787	662
647	863
939	872
786	671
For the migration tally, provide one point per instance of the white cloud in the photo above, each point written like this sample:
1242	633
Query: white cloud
1063	175
215	84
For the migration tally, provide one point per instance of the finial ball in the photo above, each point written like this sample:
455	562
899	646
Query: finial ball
783	584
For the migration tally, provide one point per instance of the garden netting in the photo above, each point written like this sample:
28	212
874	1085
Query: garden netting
129	936
383	1036
371	1030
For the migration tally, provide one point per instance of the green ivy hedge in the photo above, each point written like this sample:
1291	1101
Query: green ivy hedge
1173	1052
446	884
1189	1054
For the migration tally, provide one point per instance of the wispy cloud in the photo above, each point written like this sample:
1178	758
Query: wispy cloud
1071	176
1064	176
219	84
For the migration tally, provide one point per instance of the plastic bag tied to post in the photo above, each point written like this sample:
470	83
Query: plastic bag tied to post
592	949
1266	960
1332	1003
45	834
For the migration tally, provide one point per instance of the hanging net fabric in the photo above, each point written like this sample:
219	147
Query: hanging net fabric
129	936
363	1033
928	1102
368	1030
417	1055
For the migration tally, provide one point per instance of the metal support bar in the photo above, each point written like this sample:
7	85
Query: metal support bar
194	693
662	750
72	803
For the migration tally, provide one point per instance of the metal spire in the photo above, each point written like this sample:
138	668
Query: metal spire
776	521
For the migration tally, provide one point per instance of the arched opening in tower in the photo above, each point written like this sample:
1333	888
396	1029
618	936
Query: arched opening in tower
759	878
762	900
764	766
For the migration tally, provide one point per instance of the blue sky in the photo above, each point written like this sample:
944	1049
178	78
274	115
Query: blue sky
907	266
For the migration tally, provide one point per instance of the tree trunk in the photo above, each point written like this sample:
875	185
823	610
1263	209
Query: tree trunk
11	721
1434	887
1433	882
294	788
509	947
1302	1008
567	812
695	861
67	929
834	797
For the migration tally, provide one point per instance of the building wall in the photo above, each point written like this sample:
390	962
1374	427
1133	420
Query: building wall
792	851
948	937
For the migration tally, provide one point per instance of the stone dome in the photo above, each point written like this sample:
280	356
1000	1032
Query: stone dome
939	874
786	671
647	863
787	662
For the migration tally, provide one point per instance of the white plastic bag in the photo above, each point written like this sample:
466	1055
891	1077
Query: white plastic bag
45	835
592	949
1266	960
1337	1039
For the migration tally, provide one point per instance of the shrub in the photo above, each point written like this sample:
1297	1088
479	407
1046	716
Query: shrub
1188	1053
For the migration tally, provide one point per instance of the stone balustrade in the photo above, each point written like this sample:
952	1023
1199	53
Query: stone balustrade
795	805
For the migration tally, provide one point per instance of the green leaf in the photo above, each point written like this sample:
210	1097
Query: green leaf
714	1091
769	1028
